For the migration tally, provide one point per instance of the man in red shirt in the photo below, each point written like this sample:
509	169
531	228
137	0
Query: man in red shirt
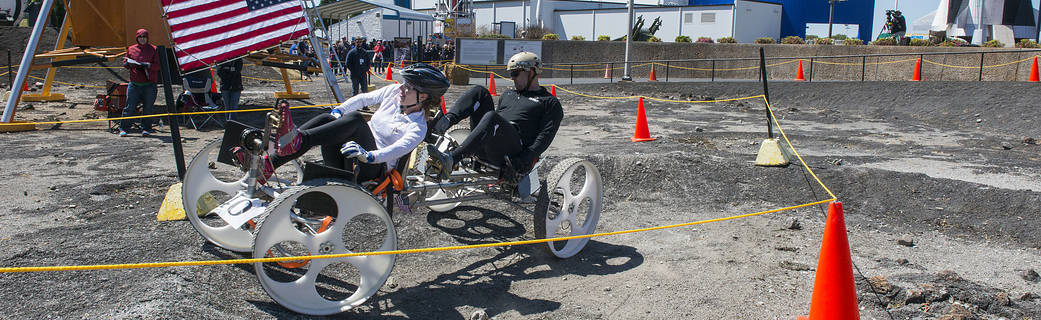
142	60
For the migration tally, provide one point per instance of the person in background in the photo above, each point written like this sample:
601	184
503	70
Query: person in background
230	74
358	64
142	60
377	56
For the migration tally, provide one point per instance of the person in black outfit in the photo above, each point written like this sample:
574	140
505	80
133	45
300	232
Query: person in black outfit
516	132
230	74
358	62
899	27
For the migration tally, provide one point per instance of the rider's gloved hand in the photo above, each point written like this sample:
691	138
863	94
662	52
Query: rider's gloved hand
442	124
354	150
336	113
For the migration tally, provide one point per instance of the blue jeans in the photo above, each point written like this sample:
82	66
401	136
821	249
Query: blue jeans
231	100
138	94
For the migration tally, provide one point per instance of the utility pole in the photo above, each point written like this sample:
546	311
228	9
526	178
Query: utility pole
626	76
831	14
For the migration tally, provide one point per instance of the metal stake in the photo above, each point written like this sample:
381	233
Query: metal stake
175	131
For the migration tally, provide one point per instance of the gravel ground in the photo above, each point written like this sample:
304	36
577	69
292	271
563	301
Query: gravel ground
939	182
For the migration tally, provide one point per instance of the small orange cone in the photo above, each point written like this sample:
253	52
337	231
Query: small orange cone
917	70
553	90
653	77
25	85
1033	71
798	73
834	292
403	64
389	73
213	82
491	84
642	132
443	109
607	72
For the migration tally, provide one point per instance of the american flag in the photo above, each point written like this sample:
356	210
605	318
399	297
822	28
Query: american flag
206	32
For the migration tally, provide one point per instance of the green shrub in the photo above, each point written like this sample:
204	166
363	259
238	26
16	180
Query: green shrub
764	40
884	42
682	39
792	40
811	37
493	36
853	42
993	44
728	40
550	36
948	43
823	41
840	37
1027	43
920	43
578	38
654	39
704	40
603	37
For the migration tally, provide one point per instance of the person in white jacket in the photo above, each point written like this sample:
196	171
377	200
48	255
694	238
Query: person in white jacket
394	130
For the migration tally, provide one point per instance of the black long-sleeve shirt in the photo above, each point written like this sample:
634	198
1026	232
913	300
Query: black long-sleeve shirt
536	114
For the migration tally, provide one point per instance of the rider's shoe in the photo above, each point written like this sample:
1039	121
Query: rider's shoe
266	173
289	138
241	158
442	160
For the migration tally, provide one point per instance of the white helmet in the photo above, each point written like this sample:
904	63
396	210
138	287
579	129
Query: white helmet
524	60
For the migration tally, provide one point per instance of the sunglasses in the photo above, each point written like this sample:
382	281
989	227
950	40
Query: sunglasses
515	73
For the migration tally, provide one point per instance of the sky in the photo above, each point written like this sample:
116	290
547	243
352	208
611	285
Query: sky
911	9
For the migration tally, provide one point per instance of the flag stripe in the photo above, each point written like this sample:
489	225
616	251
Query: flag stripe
207	32
217	18
237	52
206	44
173	13
237	6
233	25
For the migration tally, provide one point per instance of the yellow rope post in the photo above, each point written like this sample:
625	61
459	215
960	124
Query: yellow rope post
46	95
289	94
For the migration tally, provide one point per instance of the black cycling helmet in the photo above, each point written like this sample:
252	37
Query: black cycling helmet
426	79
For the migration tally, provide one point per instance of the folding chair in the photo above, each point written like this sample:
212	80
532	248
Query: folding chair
197	98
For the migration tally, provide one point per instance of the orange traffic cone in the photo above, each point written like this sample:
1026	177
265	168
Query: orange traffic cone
491	84
607	72
917	71
553	90
642	133
443	109
25	85
798	73
1033	71
389	73
834	292
653	77
213	82
403	63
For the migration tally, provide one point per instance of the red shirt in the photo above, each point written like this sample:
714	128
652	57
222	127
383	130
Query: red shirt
143	53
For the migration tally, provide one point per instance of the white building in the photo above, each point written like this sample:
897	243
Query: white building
379	20
744	20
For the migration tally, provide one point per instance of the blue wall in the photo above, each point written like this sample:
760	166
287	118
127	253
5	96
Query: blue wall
797	13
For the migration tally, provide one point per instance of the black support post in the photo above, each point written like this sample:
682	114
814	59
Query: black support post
981	66
766	92
171	105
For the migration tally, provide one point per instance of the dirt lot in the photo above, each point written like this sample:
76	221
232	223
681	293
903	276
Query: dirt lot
939	182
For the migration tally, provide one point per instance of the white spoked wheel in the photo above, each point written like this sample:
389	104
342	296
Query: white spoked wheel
360	223
209	183
453	136
576	197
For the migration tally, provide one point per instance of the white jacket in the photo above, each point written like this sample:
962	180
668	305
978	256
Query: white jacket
396	134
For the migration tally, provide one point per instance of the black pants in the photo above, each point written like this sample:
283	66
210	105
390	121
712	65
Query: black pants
491	136
359	79
331	133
